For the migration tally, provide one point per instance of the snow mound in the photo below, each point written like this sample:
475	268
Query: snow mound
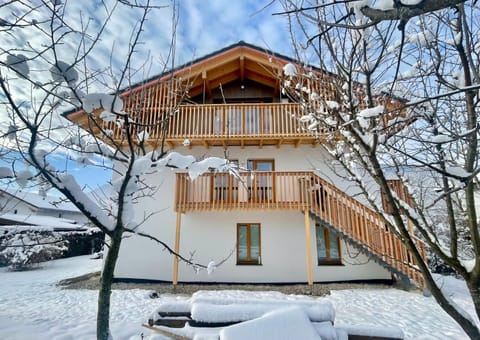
288	323
209	312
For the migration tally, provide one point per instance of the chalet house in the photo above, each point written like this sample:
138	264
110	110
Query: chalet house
289	218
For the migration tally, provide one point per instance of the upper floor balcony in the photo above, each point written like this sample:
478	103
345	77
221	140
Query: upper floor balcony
238	124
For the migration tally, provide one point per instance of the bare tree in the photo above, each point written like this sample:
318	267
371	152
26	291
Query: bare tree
405	104
58	70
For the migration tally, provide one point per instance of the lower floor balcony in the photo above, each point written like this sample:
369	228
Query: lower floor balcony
303	191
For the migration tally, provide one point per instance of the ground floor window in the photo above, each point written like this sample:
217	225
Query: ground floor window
328	246
248	243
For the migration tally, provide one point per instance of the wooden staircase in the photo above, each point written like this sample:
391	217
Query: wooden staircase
363	228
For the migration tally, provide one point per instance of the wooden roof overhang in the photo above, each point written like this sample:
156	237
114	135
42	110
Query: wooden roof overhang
240	62
148	101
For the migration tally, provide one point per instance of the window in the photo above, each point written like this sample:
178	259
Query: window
328	246
248	243
261	186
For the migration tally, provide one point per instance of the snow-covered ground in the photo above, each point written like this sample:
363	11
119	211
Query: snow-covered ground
33	307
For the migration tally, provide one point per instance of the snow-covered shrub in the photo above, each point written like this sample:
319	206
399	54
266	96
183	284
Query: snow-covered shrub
85	242
26	249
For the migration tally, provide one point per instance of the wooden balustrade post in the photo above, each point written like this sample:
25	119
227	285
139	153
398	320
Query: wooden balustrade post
177	247
308	247
410	227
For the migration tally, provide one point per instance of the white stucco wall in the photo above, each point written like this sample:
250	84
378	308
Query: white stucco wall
212	235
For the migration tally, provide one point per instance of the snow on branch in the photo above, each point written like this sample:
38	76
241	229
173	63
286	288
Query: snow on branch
85	203
405	9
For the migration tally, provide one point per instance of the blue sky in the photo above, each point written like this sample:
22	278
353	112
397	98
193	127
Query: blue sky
89	177
203	27
207	26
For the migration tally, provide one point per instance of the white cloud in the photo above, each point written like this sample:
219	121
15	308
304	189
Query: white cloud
203	28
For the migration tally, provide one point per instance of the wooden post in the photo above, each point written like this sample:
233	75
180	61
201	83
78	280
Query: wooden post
308	248
410	227
177	247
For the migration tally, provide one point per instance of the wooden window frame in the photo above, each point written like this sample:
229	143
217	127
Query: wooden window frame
250	261
259	160
329	261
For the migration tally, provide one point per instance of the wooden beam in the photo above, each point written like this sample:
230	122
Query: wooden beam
262	79
308	248
242	68
276	92
177	247
206	84
279	143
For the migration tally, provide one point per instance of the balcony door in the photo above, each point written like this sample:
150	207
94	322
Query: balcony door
244	116
225	187
261	185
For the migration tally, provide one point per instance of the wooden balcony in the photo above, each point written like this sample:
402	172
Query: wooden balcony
222	191
302	191
238	124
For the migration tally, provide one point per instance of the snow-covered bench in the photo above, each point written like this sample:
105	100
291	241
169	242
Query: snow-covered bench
252	316
205	311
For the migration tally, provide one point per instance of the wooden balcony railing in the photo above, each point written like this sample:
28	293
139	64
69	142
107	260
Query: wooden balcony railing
300	191
222	191
270	123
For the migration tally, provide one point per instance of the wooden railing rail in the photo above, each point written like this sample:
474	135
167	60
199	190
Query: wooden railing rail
300	191
363	225
222	191
236	120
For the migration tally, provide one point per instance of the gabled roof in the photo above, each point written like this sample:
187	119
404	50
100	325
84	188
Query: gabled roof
40	202
199	81
239	61
9	219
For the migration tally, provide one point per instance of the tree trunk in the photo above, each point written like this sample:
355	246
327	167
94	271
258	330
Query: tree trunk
463	319
103	313
474	288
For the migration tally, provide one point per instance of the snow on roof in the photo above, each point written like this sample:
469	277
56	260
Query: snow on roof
44	221
41	202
